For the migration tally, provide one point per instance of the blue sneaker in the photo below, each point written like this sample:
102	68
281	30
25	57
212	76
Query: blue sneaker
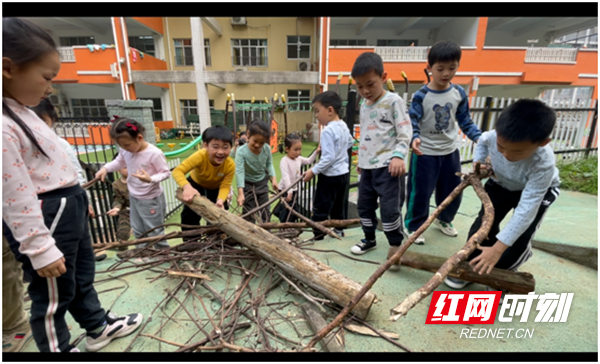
456	283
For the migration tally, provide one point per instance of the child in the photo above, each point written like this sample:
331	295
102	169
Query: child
44	208
146	196
524	178
435	111
290	166
254	168
385	136
121	207
333	167
212	172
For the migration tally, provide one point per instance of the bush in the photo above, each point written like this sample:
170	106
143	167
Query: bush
580	176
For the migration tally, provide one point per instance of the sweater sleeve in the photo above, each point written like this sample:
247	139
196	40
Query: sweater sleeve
21	209
481	149
162	168
327	152
69	150
285	175
403	128
416	114
225	187
240	162
186	166
270	167
118	163
463	117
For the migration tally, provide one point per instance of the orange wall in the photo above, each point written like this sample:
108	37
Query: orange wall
152	23
97	136
163	124
488	60
148	63
87	61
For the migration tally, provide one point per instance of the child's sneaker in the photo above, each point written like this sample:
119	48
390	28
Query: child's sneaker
396	265
15	340
364	246
456	283
446	227
420	240
339	233
115	327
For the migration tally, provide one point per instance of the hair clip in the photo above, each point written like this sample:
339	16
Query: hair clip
132	126
115	117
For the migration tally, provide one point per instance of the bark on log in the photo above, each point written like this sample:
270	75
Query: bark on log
514	282
290	259
317	322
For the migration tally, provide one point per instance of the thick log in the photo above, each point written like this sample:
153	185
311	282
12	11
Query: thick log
578	254
514	282
290	259
317	323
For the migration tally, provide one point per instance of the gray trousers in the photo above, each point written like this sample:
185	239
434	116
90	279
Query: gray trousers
147	214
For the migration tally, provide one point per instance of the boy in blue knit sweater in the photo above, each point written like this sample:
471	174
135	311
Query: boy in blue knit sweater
437	111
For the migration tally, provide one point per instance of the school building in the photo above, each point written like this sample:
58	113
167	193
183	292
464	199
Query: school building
188	65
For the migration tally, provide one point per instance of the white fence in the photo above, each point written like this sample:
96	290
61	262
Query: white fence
170	187
402	54
551	55
66	54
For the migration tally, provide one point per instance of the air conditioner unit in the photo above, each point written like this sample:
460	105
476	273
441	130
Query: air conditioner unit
57	100
303	66
238	20
241	69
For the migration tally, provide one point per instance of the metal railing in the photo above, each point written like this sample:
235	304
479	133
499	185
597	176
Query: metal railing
67	54
184	60
259	61
408	54
551	55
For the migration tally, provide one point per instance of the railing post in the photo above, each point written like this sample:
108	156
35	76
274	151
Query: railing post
485	122
592	132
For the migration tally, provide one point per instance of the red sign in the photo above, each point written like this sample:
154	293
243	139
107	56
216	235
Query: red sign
456	307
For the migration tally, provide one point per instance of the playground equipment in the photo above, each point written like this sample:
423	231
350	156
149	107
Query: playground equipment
171	145
186	147
157	132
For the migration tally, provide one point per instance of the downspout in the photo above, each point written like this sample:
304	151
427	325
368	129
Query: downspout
321	55
176	109
127	51
123	89
327	59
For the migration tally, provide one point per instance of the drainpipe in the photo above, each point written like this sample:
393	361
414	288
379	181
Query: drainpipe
127	51
327	59
321	54
123	88
170	63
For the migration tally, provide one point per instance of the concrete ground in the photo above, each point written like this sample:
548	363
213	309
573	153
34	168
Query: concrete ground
573	220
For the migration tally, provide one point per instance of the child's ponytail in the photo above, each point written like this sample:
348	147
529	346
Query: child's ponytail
23	126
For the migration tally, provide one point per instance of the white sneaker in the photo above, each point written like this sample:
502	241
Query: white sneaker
446	227
115	327
420	240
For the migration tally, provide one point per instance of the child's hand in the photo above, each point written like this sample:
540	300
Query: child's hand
113	212
219	204
489	257
275	185
397	167
55	269
229	197
101	174
415	146
289	197
241	198
318	149
189	192
308	175
91	211
143	176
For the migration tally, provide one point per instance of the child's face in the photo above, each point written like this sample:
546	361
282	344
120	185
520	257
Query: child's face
295	150
370	86
30	83
518	151
123	172
218	151
132	145
323	114
256	143
47	119
442	73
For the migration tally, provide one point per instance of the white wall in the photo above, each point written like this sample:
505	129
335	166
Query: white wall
461	30
513	91
506	38
106	38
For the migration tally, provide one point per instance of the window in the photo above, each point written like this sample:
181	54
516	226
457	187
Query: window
347	42
298	47
144	43
89	108
249	52
183	52
244	111
582	39
188	107
76	41
396	42
211	104
207	51
299	95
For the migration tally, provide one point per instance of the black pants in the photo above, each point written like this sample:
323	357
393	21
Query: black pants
73	291
426	174
189	216
503	201
257	192
285	215
379	184
328	202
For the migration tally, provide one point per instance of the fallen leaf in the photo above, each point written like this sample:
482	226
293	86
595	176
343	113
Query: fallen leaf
363	330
